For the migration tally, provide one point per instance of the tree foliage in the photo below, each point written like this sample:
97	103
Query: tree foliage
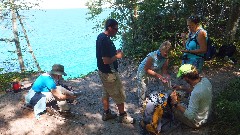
9	15
145	24
7	5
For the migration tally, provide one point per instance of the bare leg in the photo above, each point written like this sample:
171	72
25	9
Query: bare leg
121	108
142	89
105	102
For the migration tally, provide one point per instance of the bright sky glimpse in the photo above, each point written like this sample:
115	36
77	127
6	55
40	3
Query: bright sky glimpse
62	4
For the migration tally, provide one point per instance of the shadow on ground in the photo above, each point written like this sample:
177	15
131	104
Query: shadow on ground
14	120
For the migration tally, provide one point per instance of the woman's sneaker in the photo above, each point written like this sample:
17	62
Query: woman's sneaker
108	116
126	119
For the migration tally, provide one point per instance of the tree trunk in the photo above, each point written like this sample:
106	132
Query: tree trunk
233	21
16	39
28	43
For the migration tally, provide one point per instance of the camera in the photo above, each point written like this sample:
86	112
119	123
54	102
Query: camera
184	57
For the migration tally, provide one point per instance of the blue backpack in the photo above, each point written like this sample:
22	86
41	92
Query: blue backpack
211	49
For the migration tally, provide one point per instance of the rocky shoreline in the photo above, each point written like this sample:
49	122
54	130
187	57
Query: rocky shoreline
16	121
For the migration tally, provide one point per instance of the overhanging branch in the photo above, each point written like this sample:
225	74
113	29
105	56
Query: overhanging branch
6	40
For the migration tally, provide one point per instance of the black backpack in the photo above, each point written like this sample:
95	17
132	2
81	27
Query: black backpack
211	48
226	50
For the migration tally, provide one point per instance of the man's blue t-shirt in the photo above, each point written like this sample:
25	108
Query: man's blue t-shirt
105	48
44	83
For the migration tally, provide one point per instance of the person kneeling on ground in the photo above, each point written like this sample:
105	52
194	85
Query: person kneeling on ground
45	91
155	63
198	110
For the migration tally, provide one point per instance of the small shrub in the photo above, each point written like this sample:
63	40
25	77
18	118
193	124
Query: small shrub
227	109
7	78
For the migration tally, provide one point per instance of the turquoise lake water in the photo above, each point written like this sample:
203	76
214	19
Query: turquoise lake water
61	36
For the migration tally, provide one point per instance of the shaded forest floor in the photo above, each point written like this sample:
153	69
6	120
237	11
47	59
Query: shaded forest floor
16	121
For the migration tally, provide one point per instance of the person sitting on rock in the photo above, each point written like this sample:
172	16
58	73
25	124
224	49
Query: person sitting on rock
199	107
45	91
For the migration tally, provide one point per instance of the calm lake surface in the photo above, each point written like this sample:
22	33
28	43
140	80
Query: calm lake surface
61	36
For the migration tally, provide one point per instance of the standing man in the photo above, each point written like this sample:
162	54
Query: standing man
107	64
199	108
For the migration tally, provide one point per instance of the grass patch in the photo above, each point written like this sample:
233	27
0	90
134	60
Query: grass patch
227	110
6	79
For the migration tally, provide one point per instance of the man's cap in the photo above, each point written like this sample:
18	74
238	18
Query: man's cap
184	69
58	69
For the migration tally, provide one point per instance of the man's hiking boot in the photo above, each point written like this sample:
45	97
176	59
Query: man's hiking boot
28	106
126	119
77	93
64	114
108	116
67	114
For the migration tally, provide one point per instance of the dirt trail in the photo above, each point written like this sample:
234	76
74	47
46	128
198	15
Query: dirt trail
16	121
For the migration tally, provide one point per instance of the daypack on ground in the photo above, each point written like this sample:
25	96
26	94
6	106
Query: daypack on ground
157	113
153	111
226	50
211	49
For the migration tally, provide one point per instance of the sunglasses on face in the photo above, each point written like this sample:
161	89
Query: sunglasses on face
115	28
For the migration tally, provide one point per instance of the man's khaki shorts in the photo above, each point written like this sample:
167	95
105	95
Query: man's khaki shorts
112	87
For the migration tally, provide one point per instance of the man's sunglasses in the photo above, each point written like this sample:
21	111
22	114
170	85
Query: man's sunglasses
115	28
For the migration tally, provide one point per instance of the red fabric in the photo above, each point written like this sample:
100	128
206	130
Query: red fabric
16	86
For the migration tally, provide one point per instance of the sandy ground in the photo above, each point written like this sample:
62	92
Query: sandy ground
16	121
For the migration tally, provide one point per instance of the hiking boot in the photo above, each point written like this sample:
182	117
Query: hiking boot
126	119
77	93
108	116
28	106
67	114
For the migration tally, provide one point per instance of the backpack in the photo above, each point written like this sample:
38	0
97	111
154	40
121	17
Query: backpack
211	48
153	111
156	108
226	50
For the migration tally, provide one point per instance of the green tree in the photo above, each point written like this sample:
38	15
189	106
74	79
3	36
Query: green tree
9	9
147	23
